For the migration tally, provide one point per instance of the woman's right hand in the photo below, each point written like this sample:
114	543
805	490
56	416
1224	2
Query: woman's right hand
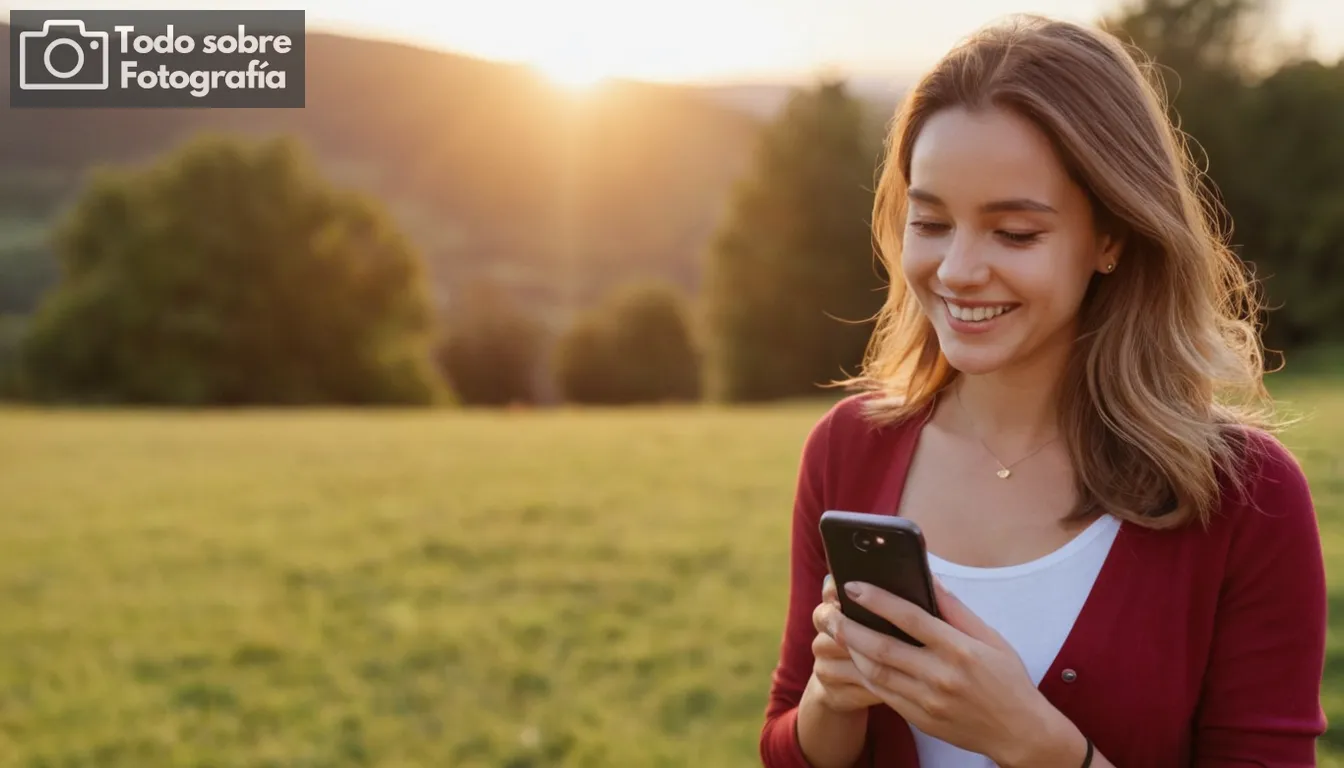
838	683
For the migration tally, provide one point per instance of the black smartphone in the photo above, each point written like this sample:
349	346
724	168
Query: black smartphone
883	550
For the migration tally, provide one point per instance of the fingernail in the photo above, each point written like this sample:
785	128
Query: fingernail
826	582
854	590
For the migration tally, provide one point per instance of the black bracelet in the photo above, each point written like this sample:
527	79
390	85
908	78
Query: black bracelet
1087	761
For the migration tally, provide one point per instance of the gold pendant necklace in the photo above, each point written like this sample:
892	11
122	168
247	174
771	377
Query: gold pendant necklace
1004	472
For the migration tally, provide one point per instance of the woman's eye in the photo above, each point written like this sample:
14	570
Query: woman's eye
1020	238
928	227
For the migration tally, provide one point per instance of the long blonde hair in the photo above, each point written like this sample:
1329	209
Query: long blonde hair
1166	374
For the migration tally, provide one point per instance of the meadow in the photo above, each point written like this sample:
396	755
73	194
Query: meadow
393	588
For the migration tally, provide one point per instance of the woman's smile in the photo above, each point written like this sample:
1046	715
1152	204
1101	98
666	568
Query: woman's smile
977	317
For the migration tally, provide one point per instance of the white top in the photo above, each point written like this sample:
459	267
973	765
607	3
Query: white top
1033	605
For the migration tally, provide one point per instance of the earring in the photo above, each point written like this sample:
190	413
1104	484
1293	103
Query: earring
1110	267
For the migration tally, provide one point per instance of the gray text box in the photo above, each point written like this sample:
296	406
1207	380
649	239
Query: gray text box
168	58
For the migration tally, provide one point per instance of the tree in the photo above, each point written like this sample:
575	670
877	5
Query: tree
1262	127
490	352
792	279
1286	194
229	274
637	346
1194	37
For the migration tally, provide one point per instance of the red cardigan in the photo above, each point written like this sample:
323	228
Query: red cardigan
1194	648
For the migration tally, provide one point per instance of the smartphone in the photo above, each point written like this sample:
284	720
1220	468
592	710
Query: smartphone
883	550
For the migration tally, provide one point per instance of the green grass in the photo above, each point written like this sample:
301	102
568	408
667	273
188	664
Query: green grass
400	589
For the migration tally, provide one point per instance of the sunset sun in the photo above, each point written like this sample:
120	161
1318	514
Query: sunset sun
573	73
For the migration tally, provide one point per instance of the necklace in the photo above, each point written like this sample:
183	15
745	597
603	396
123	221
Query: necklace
1005	471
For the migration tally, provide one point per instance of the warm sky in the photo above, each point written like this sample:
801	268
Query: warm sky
704	39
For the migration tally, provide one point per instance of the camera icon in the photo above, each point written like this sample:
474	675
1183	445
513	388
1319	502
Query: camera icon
64	56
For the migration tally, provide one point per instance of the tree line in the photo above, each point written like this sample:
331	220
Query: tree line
232	273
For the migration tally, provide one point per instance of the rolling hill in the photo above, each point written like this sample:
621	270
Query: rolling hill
491	171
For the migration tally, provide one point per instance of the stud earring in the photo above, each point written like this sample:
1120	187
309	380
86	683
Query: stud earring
1110	267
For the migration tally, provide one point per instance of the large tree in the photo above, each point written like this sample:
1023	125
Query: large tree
231	273
793	279
1263	124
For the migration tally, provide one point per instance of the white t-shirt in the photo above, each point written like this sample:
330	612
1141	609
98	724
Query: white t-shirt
1033	605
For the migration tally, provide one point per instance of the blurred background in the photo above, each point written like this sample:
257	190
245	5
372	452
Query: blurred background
453	420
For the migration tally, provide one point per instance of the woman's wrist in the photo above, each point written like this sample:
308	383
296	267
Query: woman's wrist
829	736
1054	743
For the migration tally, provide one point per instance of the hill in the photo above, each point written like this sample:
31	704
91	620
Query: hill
766	100
491	170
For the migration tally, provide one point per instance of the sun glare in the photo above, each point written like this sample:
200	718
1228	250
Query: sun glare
573	74
580	45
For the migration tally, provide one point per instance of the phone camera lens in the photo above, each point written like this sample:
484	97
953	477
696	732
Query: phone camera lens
863	541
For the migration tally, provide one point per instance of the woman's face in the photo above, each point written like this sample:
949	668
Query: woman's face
999	243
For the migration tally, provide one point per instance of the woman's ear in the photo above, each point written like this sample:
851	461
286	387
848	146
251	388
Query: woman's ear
1109	248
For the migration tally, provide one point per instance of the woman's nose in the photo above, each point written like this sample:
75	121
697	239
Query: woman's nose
961	265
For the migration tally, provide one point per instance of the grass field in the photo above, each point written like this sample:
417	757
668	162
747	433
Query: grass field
402	589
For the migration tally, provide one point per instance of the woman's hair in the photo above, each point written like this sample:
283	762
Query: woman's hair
1165	377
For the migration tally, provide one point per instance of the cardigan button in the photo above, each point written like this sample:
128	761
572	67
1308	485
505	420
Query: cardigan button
1069	675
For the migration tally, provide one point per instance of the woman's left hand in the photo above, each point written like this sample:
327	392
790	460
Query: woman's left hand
966	686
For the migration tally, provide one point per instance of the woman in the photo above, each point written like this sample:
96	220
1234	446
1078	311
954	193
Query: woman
1064	392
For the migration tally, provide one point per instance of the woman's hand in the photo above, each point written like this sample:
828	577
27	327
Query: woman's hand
840	686
966	686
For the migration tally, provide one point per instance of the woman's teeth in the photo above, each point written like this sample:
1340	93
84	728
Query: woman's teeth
977	314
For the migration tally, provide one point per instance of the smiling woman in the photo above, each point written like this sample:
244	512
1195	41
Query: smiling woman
1064	396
